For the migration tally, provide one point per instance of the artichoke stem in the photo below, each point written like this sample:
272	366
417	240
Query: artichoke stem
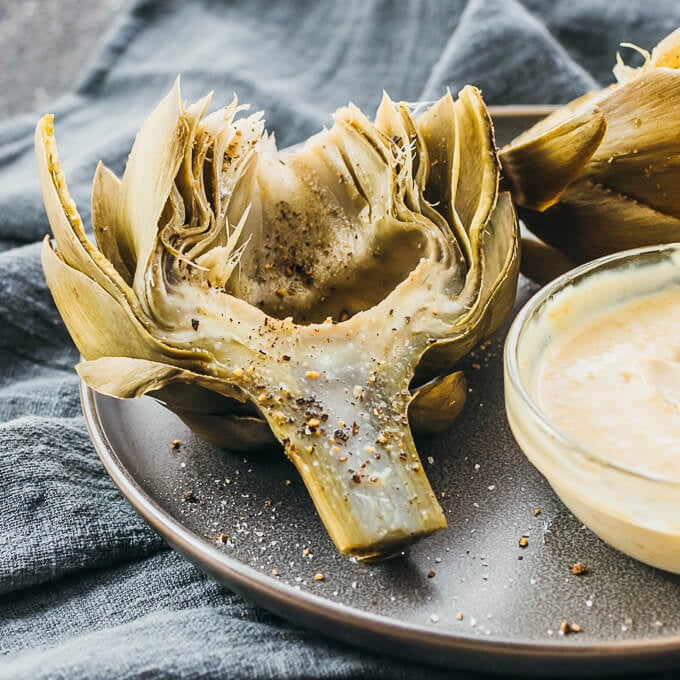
359	463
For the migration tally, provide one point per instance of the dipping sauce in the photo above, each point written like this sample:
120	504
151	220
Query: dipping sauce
592	394
612	383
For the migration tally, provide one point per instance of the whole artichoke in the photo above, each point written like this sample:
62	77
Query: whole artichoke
602	173
257	292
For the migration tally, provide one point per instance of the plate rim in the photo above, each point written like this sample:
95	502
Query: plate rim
348	624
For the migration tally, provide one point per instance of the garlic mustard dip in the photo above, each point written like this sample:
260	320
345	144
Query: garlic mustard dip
612	383
592	395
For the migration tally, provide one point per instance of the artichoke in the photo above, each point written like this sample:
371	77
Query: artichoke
257	292
602	173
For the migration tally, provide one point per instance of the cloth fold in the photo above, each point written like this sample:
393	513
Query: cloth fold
87	590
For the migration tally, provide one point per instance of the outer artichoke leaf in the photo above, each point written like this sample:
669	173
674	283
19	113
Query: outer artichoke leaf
105	199
190	397
74	247
477	189
420	161
543	263
499	257
559	117
667	52
537	169
439	129
148	178
100	324
125	377
235	433
391	123
640	154
437	403
592	220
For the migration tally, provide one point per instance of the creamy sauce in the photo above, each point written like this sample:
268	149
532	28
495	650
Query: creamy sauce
612	383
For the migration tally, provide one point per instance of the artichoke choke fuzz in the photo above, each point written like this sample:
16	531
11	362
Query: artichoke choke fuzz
602	173
257	292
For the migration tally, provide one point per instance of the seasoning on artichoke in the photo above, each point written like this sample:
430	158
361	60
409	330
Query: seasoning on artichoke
244	287
602	173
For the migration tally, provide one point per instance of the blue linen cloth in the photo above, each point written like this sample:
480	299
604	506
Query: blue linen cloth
87	590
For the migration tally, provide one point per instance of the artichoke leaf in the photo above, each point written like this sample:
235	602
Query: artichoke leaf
80	269
99	323
129	378
439	129
640	154
542	262
74	248
499	251
592	220
478	175
667	52
492	236
148	178
65	221
235	433
538	168
104	211
437	403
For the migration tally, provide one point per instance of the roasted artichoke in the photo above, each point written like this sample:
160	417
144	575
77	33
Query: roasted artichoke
602	173
241	285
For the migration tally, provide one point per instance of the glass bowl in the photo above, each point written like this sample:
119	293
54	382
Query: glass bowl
635	511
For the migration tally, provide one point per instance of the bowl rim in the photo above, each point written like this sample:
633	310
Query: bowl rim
511	363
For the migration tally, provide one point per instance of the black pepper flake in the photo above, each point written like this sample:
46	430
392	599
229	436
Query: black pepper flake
356	477
194	324
340	436
285	357
189	497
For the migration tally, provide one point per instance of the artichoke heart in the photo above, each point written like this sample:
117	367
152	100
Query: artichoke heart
602	173
295	295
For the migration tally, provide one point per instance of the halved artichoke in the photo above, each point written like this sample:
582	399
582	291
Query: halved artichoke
602	173
243	286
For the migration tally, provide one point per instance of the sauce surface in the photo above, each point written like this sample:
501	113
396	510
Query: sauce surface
612	383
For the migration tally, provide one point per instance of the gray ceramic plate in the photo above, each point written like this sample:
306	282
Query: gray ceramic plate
487	604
